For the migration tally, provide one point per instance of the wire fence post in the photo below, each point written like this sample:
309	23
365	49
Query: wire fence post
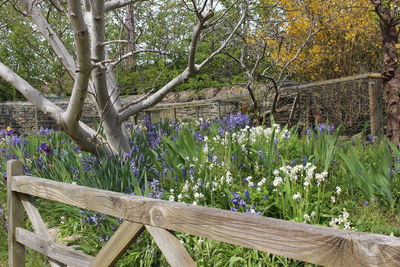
374	108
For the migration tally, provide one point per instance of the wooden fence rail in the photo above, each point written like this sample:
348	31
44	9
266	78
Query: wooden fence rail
309	243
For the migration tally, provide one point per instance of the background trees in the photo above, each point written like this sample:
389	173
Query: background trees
346	39
144	46
91	63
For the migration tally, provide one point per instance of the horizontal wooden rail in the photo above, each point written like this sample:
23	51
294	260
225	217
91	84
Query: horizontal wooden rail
65	255
309	243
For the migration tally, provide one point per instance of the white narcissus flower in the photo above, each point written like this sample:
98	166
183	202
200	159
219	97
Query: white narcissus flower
296	196
277	181
338	190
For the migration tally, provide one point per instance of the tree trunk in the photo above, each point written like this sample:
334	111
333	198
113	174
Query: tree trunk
391	81
131	36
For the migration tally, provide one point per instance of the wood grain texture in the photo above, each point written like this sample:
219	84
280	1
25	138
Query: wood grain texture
37	222
66	255
310	243
118	244
16	251
170	246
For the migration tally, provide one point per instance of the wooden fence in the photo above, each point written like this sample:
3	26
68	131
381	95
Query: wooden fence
310	243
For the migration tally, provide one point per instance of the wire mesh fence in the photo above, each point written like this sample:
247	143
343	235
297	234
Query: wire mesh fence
355	103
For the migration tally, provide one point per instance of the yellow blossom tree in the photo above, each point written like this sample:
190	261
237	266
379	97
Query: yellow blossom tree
346	39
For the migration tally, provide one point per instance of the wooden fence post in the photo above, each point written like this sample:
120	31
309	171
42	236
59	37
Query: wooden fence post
374	108
16	251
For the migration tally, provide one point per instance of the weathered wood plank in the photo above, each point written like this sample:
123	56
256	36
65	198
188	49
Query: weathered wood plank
37	222
118	244
170	246
51	249
310	243
16	251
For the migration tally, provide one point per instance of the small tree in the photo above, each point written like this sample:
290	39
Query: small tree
92	69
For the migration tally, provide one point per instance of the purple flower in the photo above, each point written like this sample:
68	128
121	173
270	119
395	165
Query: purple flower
198	136
235	201
45	148
43	132
331	129
16	140
234	121
304	160
366	203
247	194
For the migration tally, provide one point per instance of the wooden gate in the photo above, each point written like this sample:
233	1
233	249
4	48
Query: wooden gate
310	243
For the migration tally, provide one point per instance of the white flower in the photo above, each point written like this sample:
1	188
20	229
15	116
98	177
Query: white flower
345	215
276	172
228	177
180	197
321	177
171	198
171	190
277	181
198	195
313	214
296	196
306	217
185	188
338	190
194	203
333	199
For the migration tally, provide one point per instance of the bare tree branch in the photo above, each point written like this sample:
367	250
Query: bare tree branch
224	42
34	96
84	66
113	63
46	30
181	78
112	5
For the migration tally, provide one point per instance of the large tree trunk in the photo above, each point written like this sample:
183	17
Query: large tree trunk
391	81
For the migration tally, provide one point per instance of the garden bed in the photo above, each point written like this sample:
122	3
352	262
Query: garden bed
308	177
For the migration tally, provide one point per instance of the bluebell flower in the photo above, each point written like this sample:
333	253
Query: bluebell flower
331	129
247	194
304	160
